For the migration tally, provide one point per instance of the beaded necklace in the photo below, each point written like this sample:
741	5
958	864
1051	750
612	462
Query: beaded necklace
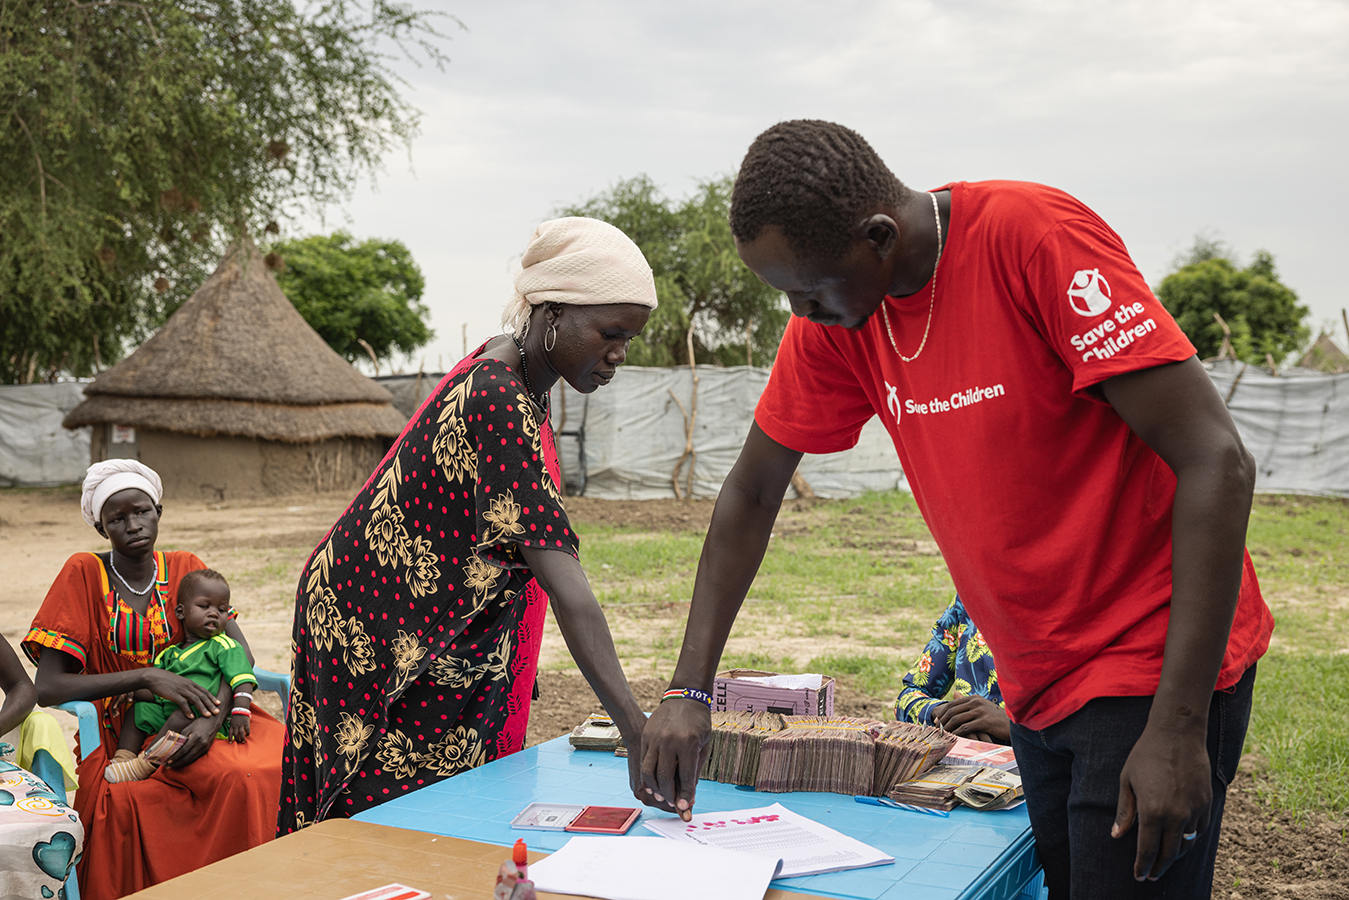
524	376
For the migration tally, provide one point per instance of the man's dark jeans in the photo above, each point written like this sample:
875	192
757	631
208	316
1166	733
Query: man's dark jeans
1071	771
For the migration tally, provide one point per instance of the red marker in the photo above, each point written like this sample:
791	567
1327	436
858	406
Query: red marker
520	856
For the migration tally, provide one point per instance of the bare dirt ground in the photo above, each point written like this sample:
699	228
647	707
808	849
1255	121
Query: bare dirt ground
261	547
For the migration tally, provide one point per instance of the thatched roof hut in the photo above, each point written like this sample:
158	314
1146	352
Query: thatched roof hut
237	364
1325	356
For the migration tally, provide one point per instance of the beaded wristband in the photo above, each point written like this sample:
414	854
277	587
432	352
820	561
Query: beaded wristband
690	694
243	694
239	711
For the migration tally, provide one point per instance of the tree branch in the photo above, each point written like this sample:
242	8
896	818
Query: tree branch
41	173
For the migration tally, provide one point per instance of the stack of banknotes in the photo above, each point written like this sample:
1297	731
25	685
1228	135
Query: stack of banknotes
935	788
597	732
841	754
819	753
990	789
737	741
981	787
904	751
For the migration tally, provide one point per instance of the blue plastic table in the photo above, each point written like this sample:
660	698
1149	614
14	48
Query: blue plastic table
970	856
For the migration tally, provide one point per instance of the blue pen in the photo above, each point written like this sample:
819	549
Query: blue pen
886	801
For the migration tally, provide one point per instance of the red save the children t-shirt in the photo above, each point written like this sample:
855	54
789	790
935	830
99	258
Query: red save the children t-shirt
1053	516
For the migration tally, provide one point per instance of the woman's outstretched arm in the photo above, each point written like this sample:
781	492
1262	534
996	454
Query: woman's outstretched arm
586	632
742	523
60	678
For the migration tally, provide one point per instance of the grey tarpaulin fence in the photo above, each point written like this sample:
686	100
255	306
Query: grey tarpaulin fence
34	449
622	441
1295	425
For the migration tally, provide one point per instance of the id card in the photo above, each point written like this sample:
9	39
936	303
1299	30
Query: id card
547	816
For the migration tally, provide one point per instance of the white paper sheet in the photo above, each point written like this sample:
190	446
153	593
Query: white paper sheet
805	846
652	868
793	682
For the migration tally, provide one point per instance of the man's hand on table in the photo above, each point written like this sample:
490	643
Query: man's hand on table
974	717
672	755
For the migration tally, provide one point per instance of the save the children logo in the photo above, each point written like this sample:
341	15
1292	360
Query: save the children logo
892	400
1089	294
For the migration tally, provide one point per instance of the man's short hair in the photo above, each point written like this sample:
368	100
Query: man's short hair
814	180
189	581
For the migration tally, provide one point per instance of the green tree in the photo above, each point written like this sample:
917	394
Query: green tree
141	137
1262	313
700	281
352	292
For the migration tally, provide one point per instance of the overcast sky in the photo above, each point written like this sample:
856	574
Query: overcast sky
1167	118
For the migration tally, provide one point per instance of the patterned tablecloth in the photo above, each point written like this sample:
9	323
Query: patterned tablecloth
40	837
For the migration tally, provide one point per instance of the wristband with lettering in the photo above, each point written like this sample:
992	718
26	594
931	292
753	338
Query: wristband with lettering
689	694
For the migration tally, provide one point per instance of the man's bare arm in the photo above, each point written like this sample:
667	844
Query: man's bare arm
736	540
1165	784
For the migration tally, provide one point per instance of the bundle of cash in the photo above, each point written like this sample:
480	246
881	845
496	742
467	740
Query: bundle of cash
936	788
597	732
841	754
737	738
819	753
990	789
905	750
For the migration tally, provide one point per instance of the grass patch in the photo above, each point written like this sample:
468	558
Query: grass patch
871	675
1300	717
762	662
850	577
1300	727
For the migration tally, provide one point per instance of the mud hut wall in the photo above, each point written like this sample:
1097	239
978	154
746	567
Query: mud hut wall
221	468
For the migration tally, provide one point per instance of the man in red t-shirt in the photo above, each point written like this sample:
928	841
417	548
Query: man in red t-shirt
1083	479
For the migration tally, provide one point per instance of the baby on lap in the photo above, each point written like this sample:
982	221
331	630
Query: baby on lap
207	656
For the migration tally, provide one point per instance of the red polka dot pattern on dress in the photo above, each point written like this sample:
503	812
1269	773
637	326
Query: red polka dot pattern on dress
429	615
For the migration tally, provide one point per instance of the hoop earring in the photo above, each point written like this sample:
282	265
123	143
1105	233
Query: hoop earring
552	333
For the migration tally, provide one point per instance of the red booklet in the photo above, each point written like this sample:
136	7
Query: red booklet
605	820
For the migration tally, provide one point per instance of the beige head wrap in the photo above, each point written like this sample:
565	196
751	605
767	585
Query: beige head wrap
584	262
112	475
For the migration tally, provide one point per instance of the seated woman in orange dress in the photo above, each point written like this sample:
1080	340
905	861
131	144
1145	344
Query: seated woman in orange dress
104	620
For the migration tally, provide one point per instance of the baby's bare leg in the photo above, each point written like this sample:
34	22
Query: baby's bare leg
131	737
176	722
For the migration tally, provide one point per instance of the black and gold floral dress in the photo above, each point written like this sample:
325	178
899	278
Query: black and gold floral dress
417	623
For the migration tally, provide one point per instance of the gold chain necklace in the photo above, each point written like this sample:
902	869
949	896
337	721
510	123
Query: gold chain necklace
932	304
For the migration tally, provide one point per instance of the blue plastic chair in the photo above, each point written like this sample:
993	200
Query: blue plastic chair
49	770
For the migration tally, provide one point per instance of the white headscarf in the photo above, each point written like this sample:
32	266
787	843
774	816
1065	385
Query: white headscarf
112	475
583	262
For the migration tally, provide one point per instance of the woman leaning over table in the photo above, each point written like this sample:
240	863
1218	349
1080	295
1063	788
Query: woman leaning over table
104	620
419	617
